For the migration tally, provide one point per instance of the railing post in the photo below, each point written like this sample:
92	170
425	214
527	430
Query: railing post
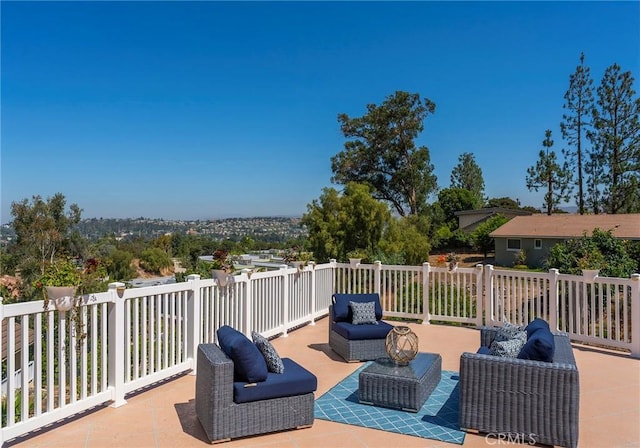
377	276
554	275
285	299
479	294
635	315
426	287
248	305
313	292
488	297
194	319
116	346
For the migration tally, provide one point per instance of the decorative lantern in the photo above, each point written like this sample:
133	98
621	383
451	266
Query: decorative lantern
401	345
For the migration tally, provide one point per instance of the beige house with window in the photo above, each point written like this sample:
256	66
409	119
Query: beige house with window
537	234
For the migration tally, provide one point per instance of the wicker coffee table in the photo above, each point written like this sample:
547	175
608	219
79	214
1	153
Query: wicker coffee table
384	383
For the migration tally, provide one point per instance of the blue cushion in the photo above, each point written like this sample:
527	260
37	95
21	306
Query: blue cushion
248	362
483	350
362	332
342	310
535	325
540	346
296	380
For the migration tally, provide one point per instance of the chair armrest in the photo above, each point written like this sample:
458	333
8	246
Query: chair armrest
214	381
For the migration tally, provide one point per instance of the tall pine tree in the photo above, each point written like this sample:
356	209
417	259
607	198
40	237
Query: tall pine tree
616	140
547	173
575	125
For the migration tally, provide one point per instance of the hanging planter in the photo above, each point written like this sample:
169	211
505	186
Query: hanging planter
63	297
222	277
355	262
590	274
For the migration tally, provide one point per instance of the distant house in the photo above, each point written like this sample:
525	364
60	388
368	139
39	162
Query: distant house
469	220
537	234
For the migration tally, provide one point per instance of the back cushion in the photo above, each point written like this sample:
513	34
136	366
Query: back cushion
540	345
248	363
342	310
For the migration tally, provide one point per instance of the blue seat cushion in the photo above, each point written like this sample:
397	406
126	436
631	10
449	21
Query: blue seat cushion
296	380
540	346
248	363
362	332
342	311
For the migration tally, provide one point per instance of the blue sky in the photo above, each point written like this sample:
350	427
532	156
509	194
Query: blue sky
229	109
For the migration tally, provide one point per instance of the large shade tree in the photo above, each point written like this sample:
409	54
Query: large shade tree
42	230
381	152
341	223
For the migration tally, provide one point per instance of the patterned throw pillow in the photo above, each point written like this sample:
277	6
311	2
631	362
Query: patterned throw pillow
363	313
509	331
274	362
509	348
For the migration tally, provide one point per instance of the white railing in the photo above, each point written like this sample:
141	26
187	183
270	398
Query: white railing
136	337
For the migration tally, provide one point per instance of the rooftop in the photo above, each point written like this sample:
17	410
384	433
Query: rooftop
570	226
164	415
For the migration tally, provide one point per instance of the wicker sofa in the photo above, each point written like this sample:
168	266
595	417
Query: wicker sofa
223	418
524	400
356	342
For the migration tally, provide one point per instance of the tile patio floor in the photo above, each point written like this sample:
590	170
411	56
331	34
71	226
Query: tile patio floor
164	416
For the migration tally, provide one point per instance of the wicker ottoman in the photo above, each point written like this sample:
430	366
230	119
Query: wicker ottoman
383	383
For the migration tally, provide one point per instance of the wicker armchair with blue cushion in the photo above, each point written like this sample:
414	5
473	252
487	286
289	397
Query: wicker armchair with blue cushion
239	391
356	329
531	394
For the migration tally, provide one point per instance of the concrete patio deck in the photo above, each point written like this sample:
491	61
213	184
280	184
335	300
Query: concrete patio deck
164	416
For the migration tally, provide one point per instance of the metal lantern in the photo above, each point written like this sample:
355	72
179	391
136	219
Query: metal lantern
401	345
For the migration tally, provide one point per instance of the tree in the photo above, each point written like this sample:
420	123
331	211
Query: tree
548	173
468	175
42	231
405	241
504	202
339	224
480	235
381	152
611	254
579	104
452	200
616	139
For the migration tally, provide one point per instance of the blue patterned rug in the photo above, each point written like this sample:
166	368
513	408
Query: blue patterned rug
438	418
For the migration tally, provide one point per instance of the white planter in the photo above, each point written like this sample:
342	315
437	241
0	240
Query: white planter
221	277
354	262
63	297
453	266
590	274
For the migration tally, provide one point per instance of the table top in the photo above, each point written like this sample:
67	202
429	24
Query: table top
414	370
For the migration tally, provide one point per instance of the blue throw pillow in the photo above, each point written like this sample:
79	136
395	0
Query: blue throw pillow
540	346
535	325
248	363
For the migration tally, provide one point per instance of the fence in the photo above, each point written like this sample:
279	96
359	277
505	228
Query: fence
133	338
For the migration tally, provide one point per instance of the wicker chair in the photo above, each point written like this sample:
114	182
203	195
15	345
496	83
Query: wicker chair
358	349
223	419
527	401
